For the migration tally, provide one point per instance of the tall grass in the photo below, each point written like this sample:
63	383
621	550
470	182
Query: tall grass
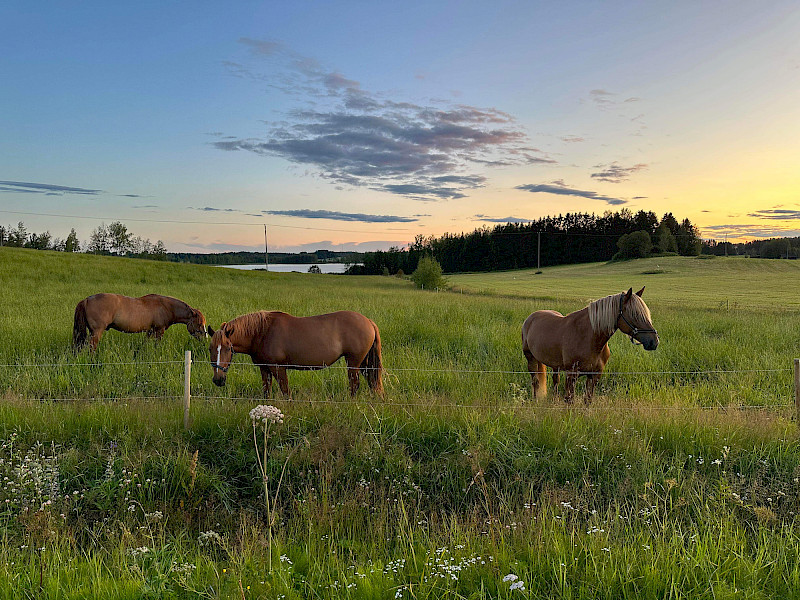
450	487
438	347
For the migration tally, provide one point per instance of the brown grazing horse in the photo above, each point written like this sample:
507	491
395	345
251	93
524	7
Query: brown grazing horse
578	343
277	341
151	313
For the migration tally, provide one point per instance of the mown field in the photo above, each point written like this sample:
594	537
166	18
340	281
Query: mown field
681	479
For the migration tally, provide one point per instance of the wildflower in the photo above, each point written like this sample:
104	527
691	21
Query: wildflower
518	585
208	538
510	577
266	414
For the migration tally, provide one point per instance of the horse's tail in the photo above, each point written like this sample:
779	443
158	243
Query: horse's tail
80	326
372	365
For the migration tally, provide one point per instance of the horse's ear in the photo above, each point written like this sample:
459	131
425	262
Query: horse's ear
209	330
639	293
628	294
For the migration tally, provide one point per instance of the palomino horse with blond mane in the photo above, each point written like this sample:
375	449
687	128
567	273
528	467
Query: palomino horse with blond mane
578	343
277	341
151	313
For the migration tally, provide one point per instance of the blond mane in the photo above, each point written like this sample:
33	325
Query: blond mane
603	313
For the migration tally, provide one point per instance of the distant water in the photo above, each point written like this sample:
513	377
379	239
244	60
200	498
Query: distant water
288	268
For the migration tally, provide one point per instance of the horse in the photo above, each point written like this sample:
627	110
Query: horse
578	343
151	313
277	341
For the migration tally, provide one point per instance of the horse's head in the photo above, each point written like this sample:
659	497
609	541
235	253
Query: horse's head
634	319
197	325
220	350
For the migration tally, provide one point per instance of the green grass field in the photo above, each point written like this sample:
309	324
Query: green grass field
681	480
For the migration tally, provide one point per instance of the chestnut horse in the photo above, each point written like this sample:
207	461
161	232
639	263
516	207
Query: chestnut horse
151	313
578	343
277	341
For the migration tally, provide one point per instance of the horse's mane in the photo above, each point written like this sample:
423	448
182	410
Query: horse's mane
251	324
603	313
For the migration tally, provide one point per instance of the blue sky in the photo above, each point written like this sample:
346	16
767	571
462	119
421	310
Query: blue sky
359	125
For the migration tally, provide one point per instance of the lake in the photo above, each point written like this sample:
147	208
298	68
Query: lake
288	268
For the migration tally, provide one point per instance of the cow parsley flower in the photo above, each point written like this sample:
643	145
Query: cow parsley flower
266	414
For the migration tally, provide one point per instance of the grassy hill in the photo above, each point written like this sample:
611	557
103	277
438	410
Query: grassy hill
697	281
452	482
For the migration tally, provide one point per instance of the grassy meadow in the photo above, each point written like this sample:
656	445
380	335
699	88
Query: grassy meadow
681	480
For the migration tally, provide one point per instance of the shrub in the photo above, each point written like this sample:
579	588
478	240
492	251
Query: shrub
428	274
634	245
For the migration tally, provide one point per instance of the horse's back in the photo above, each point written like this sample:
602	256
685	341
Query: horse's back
540	318
318	339
542	334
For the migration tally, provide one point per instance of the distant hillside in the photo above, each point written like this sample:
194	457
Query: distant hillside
254	258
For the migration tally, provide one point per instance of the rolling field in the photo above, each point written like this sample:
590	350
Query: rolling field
680	480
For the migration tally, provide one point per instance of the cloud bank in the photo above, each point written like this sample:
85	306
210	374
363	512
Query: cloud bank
340	216
358	138
44	188
558	188
615	173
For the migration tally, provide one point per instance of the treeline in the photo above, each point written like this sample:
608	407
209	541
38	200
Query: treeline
771	248
565	239
113	240
254	258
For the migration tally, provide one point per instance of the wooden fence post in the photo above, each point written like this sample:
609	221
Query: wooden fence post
187	380
797	388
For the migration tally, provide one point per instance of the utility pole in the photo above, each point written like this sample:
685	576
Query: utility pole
266	248
538	251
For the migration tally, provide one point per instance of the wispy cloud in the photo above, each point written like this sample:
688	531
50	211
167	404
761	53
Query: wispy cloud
488	219
616	173
306	213
777	214
45	188
558	188
358	138
214	209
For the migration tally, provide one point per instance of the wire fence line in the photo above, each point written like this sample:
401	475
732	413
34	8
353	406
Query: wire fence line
530	406
489	405
397	369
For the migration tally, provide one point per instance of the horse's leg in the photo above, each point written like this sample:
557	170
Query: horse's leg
157	332
352	374
266	380
538	373
591	381
569	383
283	380
556	379
95	339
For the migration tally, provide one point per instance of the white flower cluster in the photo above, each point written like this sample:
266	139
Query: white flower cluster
138	552
265	414
209	538
515	583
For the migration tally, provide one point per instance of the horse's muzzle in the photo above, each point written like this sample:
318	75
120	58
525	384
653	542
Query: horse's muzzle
219	381
650	342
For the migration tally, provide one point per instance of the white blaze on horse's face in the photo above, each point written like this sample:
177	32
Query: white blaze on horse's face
219	365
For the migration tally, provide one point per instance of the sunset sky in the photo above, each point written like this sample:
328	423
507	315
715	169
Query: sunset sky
359	125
